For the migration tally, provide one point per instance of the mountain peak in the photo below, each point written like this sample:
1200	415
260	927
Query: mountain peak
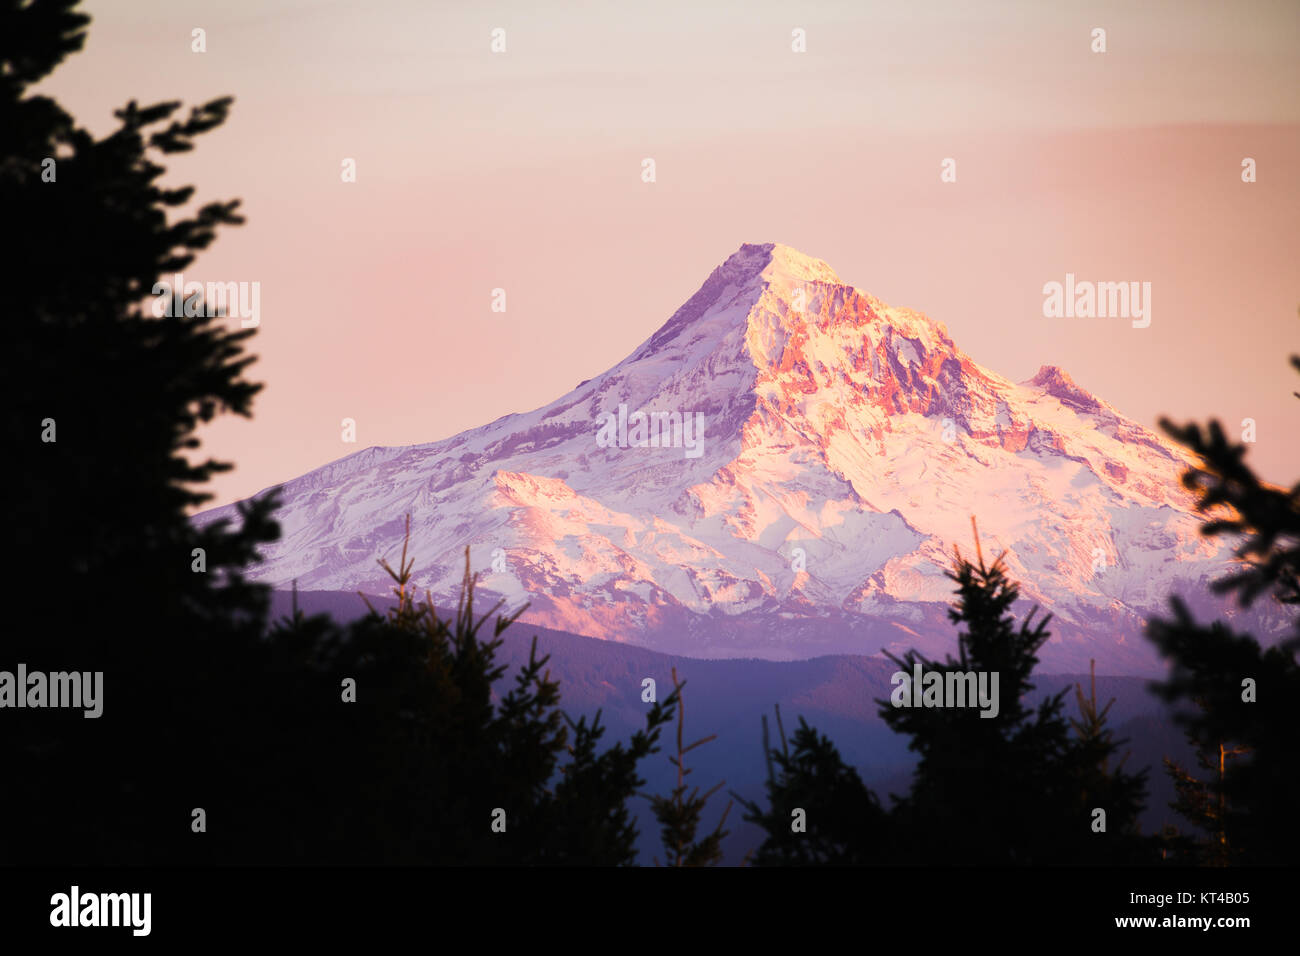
1055	381
1051	375
745	272
780	419
771	259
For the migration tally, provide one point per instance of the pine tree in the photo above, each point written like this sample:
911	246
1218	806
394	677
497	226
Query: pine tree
1014	788
1120	793
1091	725
819	812
440	739
680	813
1203	802
100	438
203	708
1229	692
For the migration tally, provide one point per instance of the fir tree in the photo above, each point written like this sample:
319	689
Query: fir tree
436	744
100	434
202	707
819	812
1014	788
1203	802
680	813
984	790
1229	692
1120	793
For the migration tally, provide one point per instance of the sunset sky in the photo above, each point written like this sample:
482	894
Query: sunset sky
522	170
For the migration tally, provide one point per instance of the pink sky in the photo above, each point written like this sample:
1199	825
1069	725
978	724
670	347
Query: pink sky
522	170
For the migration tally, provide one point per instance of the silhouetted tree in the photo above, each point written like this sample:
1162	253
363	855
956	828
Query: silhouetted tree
1229	691
1014	788
203	708
1202	801
1121	794
105	404
680	813
818	809
431	763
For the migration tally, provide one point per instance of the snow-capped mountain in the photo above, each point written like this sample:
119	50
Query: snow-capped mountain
781	471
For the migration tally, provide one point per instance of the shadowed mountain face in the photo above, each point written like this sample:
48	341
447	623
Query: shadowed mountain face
781	471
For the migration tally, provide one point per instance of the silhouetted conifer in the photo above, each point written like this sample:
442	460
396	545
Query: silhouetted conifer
106	580
1229	691
1015	788
818	809
434	746
680	813
201	707
1203	802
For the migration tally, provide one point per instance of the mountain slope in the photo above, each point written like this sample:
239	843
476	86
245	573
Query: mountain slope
780	471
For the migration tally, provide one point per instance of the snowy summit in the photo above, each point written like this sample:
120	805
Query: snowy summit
781	470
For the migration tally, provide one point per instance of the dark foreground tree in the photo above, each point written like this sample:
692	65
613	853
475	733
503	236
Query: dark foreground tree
1203	802
217	741
1103	783
439	757
681	811
818	809
1014	787
105	400
1229	691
